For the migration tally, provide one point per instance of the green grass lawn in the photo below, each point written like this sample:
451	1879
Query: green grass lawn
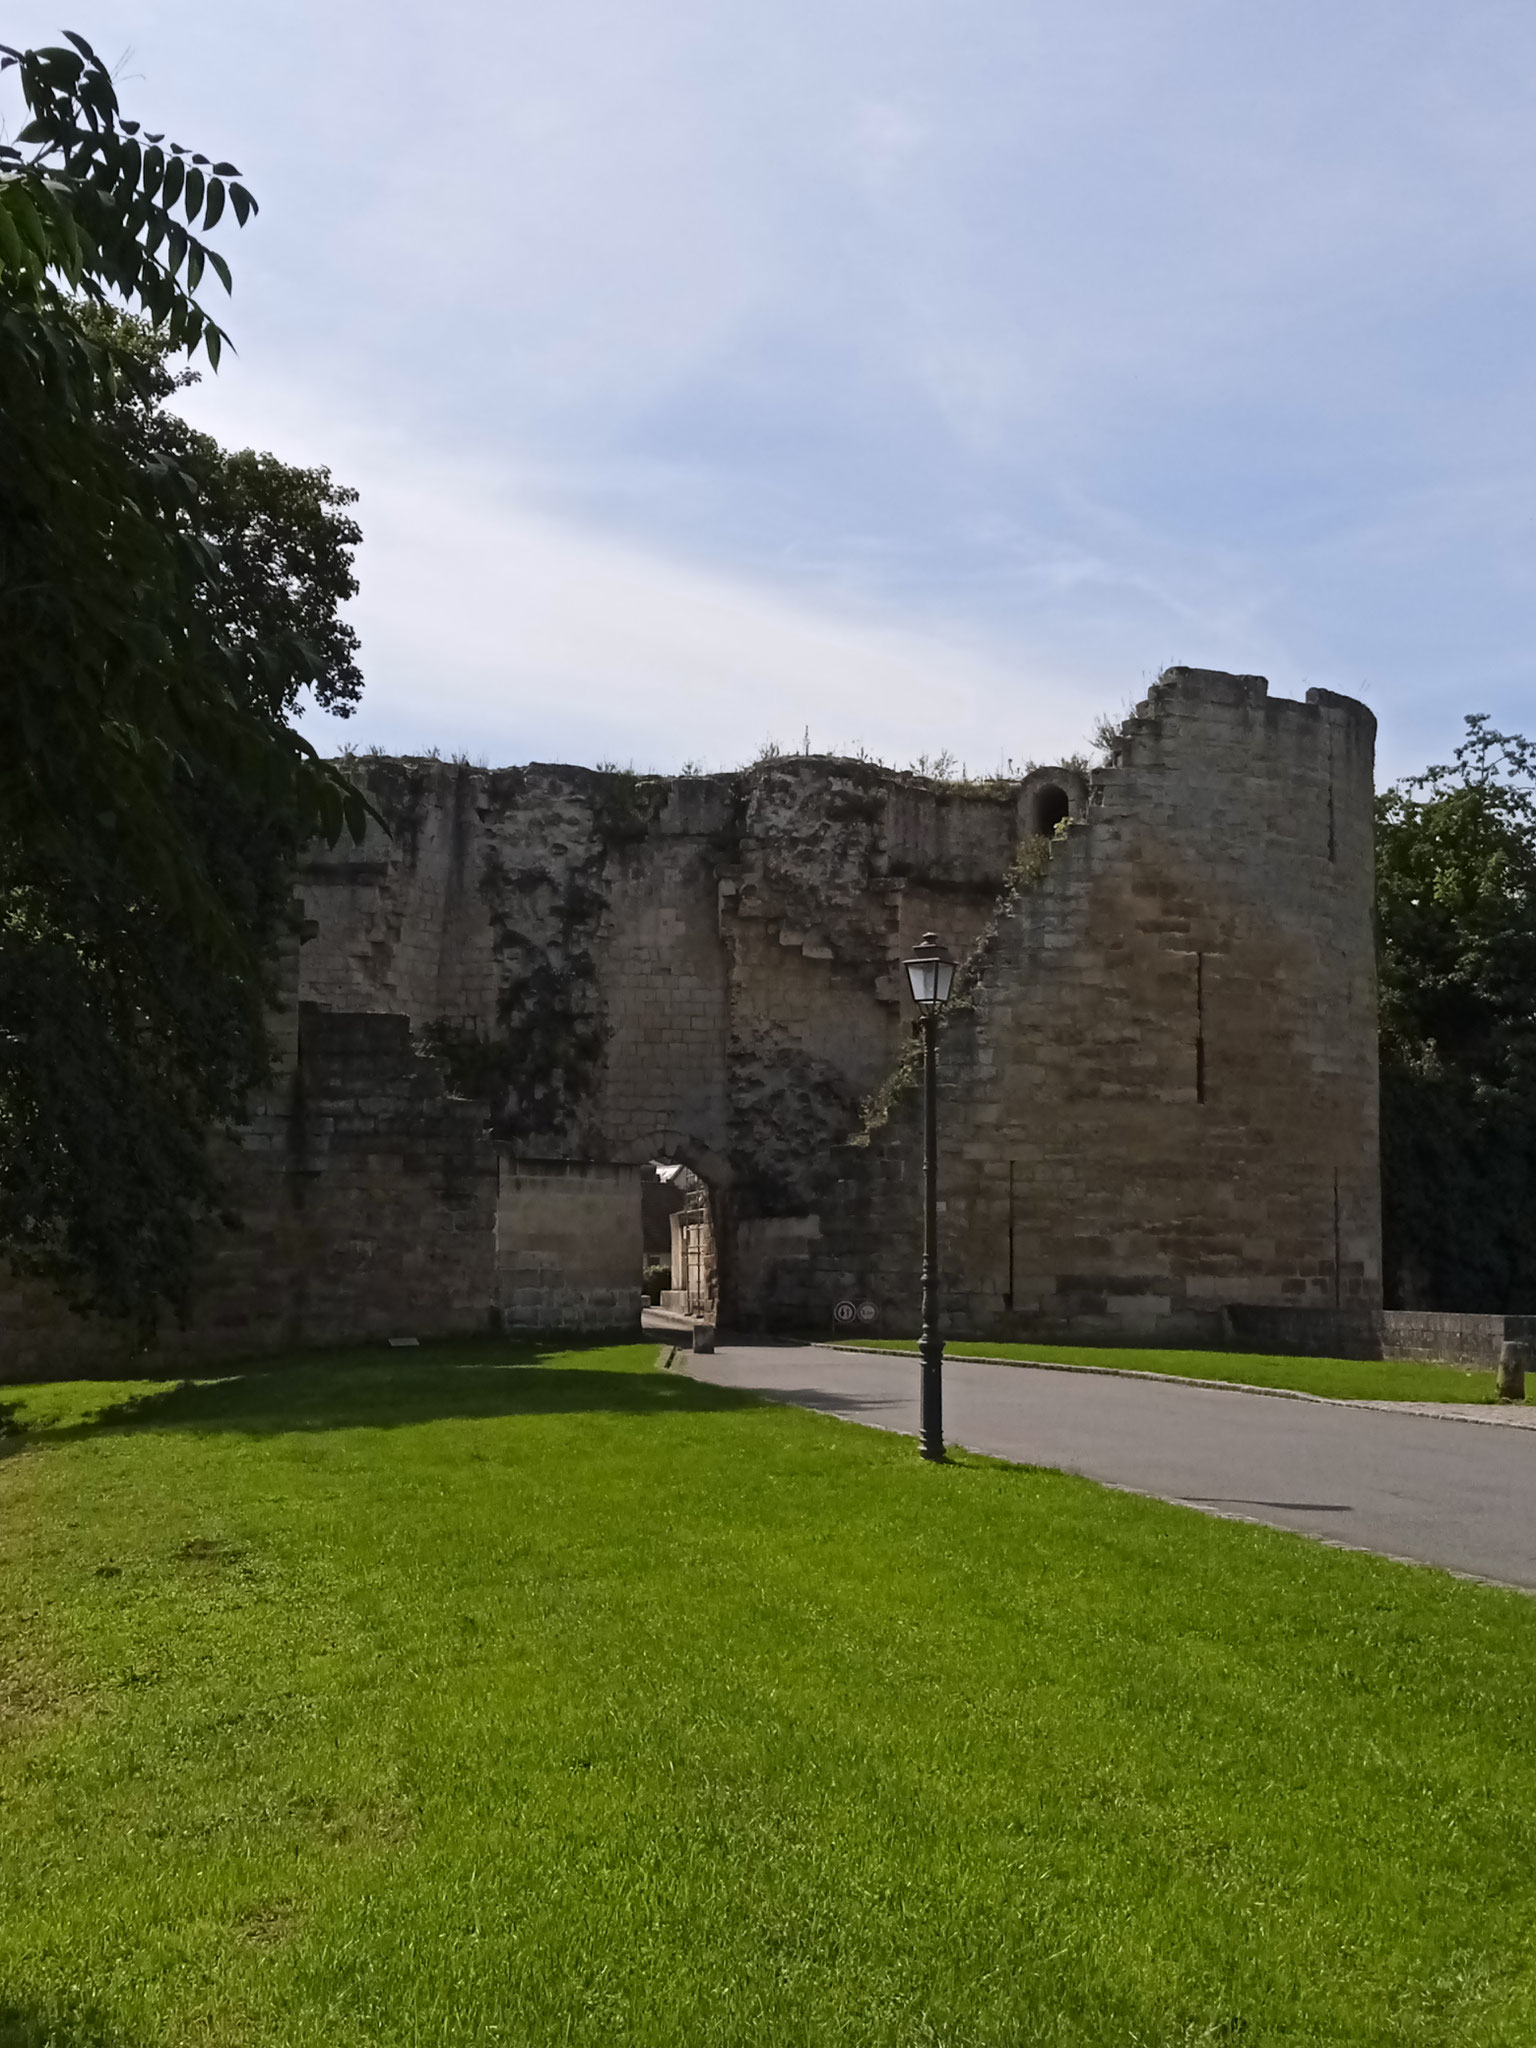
1341	1379
514	1696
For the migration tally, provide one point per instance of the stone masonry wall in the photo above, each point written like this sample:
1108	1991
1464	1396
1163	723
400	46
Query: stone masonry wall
698	968
568	1245
1433	1335
366	1200
1158	1095
1160	1088
1158	1078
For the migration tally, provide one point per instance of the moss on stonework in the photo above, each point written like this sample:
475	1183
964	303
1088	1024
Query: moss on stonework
478	1068
548	1043
625	805
788	1107
1031	858
875	1110
537	1070
398	790
555	1043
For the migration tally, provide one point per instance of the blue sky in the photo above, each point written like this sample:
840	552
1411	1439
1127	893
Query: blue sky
924	376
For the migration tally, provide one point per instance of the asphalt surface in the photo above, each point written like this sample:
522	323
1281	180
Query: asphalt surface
1432	1489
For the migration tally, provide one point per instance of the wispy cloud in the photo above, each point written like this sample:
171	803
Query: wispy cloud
884	358
501	627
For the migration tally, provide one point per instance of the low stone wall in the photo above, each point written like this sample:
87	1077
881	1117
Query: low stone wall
366	1197
1380	1333
40	1339
568	1245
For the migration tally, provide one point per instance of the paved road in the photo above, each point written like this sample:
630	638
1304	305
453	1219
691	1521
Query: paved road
1439	1491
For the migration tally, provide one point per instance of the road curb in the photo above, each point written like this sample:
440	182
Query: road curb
1442	1411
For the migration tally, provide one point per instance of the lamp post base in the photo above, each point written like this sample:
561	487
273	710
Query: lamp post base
931	1417
930	1343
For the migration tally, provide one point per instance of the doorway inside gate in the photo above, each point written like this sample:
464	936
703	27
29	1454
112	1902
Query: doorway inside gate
681	1270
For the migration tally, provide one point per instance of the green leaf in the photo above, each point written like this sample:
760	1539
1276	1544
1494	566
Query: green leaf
175	178
77	245
29	225
194	194
215	204
61	68
242	202
13	252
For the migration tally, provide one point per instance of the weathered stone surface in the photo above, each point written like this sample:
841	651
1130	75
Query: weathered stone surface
700	968
1160	1094
568	1245
1516	1359
1158	1077
1159	1089
1434	1336
367	1206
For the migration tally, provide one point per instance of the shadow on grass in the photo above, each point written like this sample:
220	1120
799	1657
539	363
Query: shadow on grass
31	2026
361	1391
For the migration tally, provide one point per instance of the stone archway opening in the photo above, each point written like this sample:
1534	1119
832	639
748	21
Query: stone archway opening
681	1271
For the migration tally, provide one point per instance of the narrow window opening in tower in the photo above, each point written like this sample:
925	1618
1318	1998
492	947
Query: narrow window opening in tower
1008	1291
1338	1246
1199	1027
1051	806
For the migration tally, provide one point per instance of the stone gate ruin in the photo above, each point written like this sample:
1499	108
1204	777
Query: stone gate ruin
1158	1078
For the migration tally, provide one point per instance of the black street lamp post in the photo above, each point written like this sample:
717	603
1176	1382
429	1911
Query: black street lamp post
931	975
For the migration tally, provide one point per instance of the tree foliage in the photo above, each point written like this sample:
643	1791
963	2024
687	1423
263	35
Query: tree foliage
117	680
279	539
151	788
1456	891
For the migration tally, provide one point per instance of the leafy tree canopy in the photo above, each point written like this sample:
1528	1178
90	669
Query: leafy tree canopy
117	680
162	607
1456	893
279	539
